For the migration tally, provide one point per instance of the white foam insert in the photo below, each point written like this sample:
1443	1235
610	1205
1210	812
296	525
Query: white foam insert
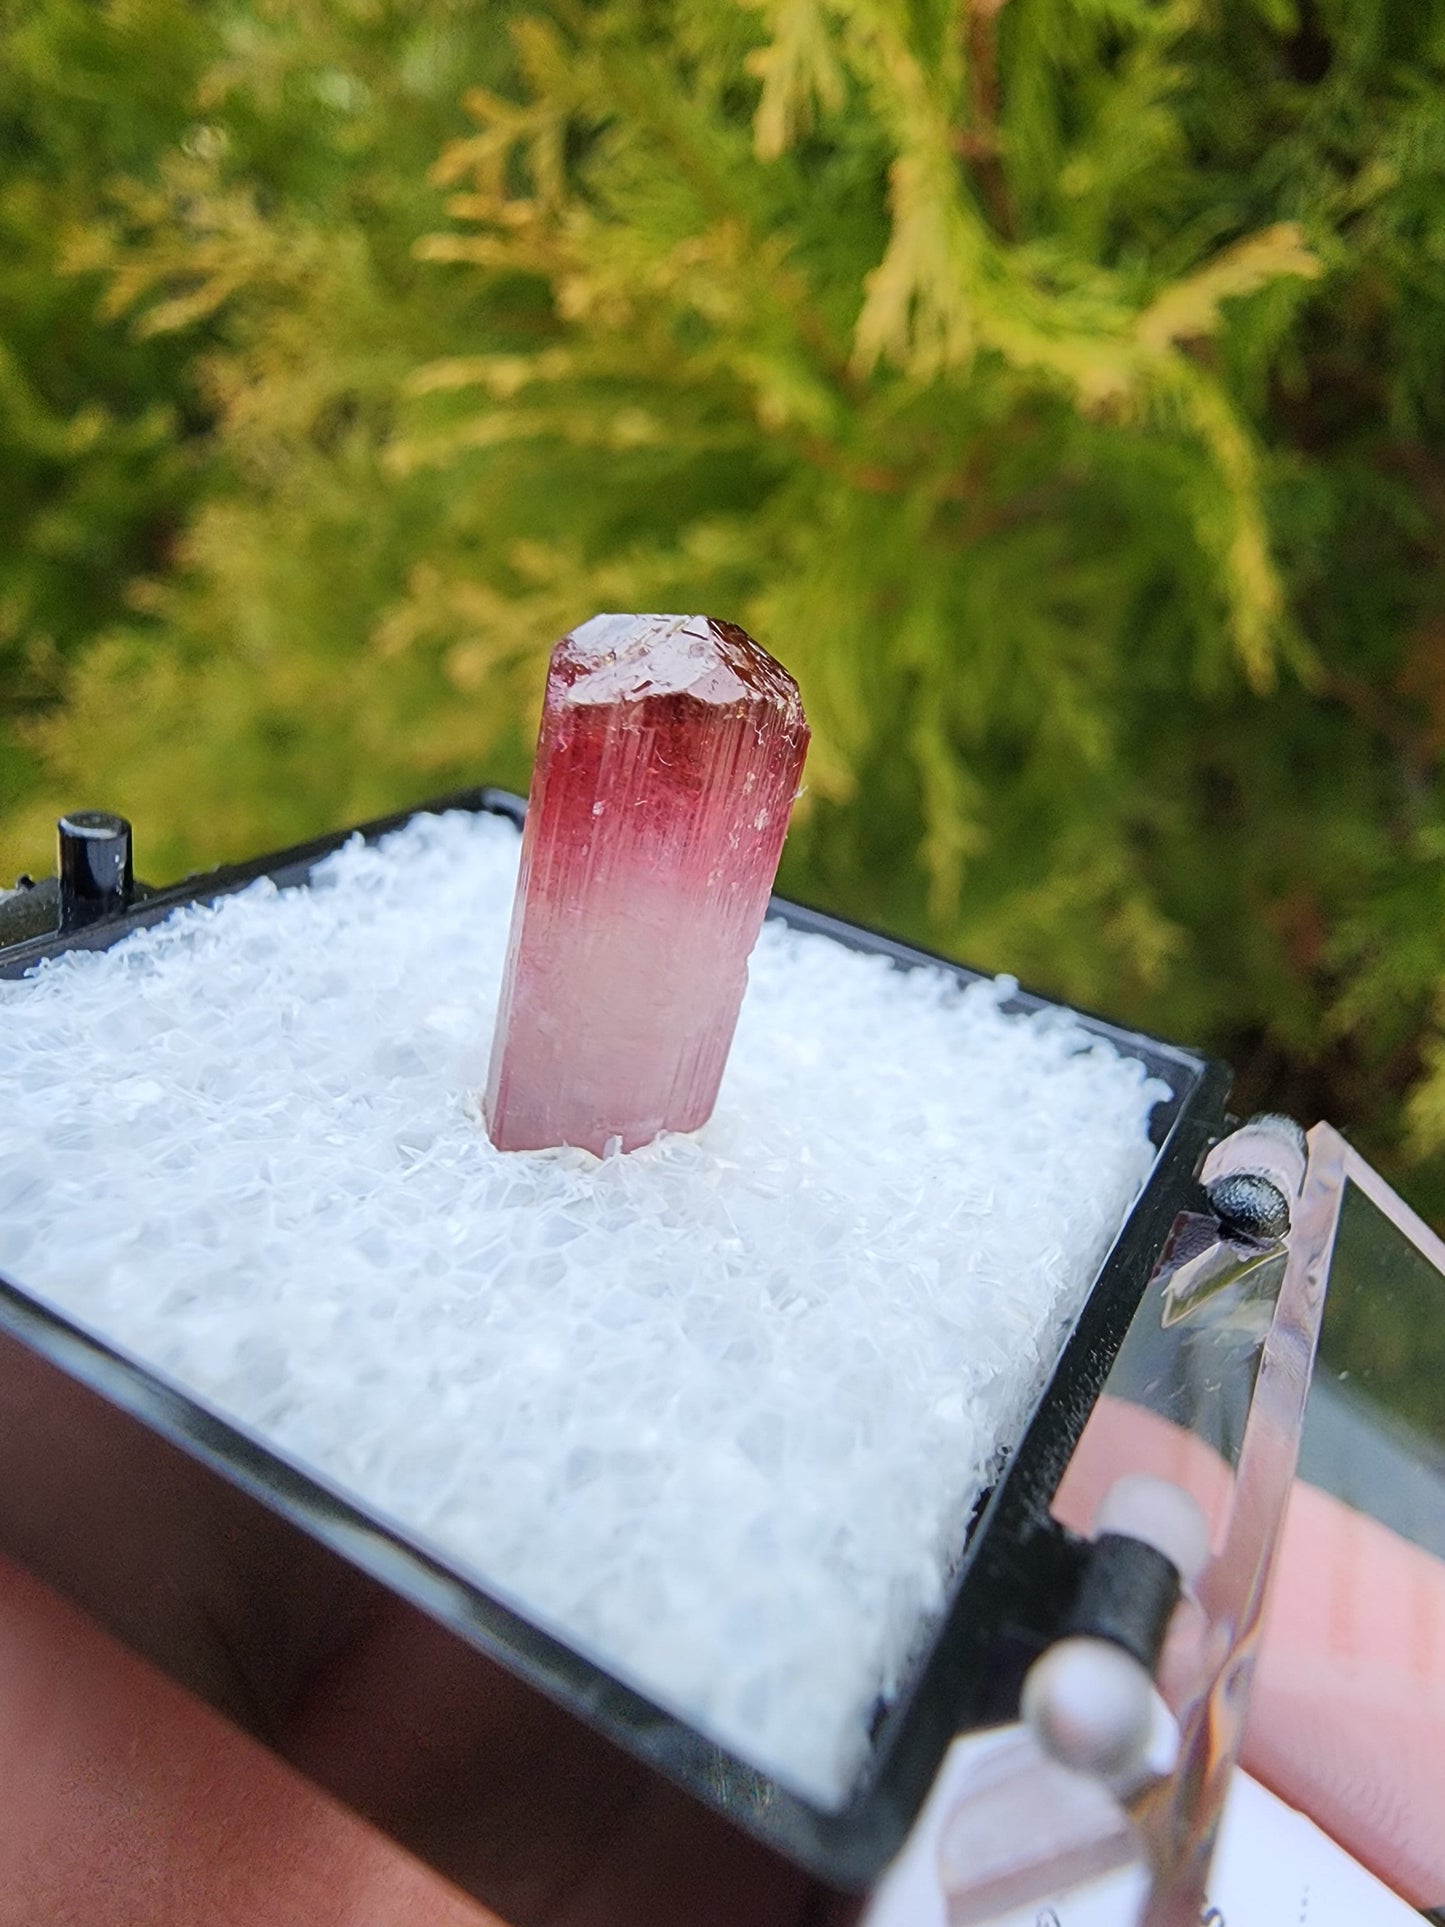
716	1411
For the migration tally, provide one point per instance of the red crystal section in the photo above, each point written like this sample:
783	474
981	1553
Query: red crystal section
667	764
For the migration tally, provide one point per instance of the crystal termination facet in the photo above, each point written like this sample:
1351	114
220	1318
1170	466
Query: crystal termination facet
667	763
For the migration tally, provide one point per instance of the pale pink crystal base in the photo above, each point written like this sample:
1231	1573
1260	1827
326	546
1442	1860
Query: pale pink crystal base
669	756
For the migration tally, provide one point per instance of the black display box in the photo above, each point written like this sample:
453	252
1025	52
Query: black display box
158	1516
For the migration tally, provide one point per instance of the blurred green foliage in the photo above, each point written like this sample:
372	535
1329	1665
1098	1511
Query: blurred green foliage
1055	385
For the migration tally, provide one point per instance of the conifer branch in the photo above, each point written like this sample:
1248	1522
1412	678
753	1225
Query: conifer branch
978	143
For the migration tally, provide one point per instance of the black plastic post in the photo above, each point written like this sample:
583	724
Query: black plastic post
1127	1596
96	879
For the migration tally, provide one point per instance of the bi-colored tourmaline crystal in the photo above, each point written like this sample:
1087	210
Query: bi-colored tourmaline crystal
668	760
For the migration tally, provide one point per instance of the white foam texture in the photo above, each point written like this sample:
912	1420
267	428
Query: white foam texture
717	1411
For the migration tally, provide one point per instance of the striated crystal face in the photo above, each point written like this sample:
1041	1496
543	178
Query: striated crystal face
667	764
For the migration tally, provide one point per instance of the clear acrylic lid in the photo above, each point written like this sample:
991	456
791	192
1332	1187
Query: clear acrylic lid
1212	1390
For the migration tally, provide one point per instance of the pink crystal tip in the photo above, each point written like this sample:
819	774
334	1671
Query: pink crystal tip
668	760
